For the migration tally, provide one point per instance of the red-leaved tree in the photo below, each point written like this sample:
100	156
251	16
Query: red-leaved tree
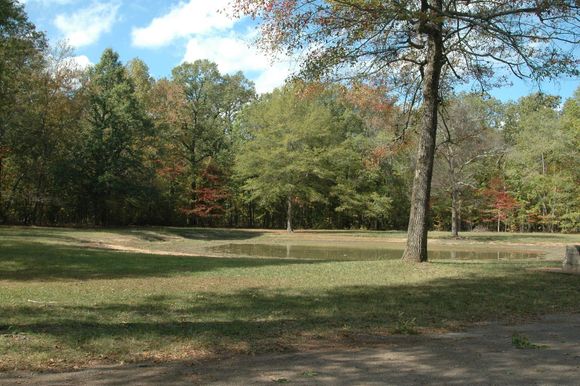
501	204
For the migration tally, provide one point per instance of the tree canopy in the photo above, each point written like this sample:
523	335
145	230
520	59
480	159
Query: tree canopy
425	46
113	145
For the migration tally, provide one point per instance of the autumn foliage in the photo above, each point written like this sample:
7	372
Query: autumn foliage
210	196
500	203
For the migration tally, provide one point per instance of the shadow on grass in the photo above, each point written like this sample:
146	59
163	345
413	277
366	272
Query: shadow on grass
26	234
213	234
169	233
261	319
144	233
30	261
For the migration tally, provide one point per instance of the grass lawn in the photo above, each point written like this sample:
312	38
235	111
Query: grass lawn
65	301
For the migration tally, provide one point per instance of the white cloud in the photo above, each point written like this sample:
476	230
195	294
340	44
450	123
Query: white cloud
186	19
210	34
78	63
230	53
85	27
272	77
81	61
233	54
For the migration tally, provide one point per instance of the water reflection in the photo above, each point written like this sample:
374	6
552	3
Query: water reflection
362	253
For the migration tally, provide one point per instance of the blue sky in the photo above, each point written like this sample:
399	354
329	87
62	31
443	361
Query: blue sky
165	33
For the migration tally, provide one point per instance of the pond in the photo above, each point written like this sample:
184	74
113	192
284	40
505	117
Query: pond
359	253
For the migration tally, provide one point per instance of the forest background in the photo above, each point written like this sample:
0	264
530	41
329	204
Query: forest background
111	145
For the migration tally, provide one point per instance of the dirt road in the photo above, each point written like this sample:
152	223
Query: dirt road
482	355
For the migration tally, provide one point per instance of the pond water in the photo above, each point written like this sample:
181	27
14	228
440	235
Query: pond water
358	253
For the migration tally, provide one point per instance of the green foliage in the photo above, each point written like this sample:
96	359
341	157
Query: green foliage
535	162
469	137
283	156
542	166
206	103
22	51
520	341
138	72
202	106
111	144
314	150
405	325
282	160
111	153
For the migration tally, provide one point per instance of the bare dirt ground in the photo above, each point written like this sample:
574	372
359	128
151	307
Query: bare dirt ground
480	355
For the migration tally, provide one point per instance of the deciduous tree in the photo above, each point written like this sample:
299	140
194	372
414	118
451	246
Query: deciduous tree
202	104
542	165
470	127
22	50
428	43
281	160
112	152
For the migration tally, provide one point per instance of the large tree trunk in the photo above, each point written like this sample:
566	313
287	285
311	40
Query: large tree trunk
455	213
191	218
289	216
416	250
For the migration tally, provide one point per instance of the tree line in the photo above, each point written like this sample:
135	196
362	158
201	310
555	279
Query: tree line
111	145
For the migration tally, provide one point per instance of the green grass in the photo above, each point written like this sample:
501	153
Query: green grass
405	325
66	303
469	236
523	342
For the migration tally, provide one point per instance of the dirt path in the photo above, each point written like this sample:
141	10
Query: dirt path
483	355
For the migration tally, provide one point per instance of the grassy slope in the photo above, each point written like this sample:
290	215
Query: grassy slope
64	302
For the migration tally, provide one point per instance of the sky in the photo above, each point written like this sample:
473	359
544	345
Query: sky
166	33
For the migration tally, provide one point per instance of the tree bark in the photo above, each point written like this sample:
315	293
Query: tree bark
455	213
416	250
193	197
251	214
289	216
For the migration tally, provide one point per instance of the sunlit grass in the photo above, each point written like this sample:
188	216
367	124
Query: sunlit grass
63	304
